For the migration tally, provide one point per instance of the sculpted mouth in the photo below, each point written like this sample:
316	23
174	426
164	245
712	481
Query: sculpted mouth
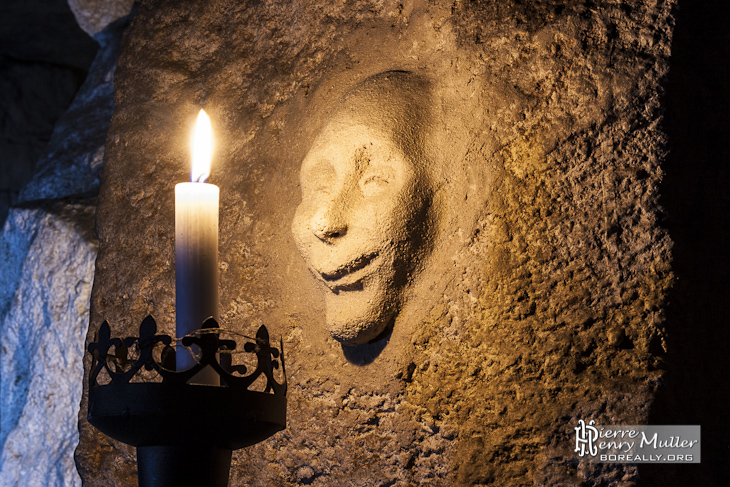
347	276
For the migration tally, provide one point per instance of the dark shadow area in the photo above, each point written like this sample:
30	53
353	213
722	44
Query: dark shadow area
696	196
44	59
366	353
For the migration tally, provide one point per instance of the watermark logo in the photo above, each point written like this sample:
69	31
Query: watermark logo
585	439
638	443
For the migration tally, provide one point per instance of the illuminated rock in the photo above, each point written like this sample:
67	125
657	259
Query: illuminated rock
547	246
44	312
94	15
74	155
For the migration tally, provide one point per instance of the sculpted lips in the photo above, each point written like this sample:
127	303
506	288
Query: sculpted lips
347	276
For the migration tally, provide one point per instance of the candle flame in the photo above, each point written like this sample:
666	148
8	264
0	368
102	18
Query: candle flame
202	148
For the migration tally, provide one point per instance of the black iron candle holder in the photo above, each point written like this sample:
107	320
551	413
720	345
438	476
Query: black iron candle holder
184	432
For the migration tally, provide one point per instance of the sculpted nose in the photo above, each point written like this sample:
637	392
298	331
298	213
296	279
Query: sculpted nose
329	223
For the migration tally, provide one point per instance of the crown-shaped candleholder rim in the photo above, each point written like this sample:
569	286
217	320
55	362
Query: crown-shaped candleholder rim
213	352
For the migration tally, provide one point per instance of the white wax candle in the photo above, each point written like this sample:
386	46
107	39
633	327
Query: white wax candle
196	245
196	255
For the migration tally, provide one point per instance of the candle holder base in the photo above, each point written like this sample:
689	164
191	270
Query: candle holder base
165	466
184	433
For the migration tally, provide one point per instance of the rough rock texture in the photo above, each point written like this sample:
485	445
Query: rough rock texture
42	324
48	248
542	302
44	57
94	15
73	158
34	95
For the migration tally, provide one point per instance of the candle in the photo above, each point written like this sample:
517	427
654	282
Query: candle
196	243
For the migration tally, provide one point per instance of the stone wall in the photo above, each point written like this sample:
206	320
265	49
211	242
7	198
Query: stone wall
48	247
543	300
42	345
94	15
44	57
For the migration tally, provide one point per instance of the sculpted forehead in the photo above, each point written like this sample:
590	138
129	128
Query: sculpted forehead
380	122
393	104
359	144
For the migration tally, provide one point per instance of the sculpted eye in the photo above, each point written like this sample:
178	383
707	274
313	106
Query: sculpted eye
316	186
374	183
318	178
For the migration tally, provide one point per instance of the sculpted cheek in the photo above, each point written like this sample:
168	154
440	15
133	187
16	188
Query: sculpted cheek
300	226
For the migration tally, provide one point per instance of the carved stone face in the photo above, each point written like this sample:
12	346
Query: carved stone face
363	219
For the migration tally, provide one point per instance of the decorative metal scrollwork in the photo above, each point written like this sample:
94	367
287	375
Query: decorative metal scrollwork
213	351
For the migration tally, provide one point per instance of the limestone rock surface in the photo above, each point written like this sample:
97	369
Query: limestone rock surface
48	249
34	96
44	57
543	300
72	160
47	268
94	15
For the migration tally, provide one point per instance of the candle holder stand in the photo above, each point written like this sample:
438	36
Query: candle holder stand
185	432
